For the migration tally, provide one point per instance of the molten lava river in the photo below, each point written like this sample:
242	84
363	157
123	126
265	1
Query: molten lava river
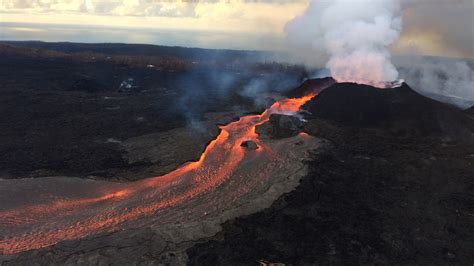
36	213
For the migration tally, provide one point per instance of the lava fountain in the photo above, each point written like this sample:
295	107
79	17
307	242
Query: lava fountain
36	213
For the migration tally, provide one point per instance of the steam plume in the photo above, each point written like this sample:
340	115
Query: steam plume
435	76
355	36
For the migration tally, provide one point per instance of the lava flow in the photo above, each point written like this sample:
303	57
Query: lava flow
36	213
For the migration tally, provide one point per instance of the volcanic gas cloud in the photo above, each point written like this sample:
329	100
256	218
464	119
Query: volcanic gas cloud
353	34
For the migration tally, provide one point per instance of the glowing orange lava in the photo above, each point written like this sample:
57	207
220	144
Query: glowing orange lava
51	210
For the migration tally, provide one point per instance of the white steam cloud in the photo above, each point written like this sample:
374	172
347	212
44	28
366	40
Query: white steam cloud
354	35
443	79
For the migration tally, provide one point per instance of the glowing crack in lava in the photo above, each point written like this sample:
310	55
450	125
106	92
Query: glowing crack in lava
36	213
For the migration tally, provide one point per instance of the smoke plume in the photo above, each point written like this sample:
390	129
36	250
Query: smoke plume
353	35
443	79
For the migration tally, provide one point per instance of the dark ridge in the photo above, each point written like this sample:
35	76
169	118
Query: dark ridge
310	85
462	103
349	103
362	105
470	111
136	49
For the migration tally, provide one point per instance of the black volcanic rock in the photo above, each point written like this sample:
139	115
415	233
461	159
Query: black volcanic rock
350	104
470	111
280	126
63	113
398	108
87	84
310	85
391	202
249	144
376	196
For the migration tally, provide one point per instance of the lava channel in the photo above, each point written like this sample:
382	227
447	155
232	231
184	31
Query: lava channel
36	213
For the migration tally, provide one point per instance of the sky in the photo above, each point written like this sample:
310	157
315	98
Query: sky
431	27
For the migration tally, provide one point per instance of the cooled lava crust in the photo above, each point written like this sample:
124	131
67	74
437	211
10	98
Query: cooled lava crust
394	189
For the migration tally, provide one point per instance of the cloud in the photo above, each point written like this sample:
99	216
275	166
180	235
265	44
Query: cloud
103	7
215	8
432	27
438	27
262	17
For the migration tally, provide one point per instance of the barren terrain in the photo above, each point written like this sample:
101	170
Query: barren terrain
130	154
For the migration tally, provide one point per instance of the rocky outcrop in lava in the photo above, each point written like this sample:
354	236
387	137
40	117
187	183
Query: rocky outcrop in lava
249	144
280	126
